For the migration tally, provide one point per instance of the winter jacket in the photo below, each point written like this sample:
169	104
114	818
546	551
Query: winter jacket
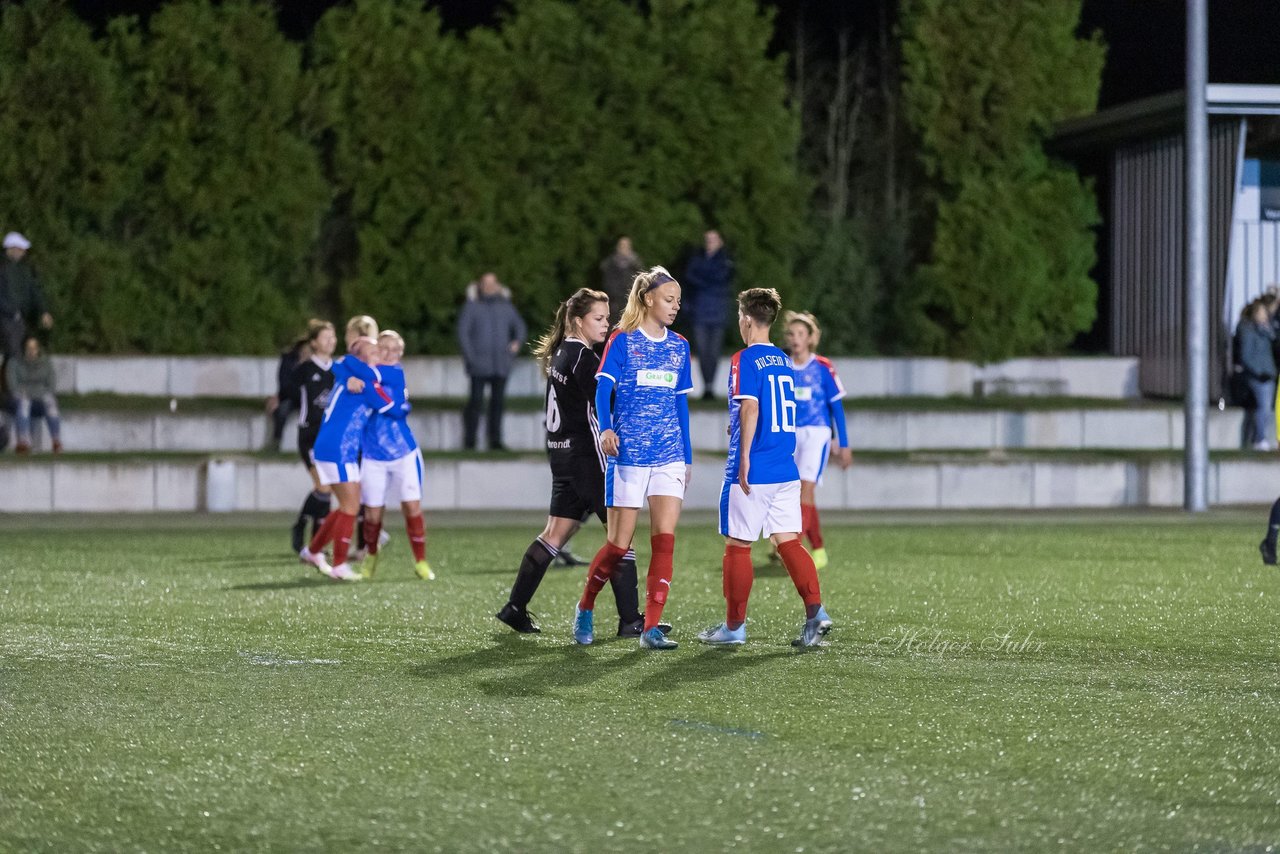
20	292
31	378
486	328
618	272
1255	350
708	286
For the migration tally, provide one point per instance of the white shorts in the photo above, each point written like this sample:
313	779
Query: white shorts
331	473
813	446
771	508
629	486
398	480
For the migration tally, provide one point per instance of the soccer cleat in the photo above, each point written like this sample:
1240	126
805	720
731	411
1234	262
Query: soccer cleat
636	629
1268	549
519	619
423	569
655	639
316	559
383	537
631	630
722	635
370	565
825	622
820	560
811	634
567	558
344	572
583	626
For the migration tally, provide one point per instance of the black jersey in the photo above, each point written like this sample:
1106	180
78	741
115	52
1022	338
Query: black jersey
315	384
572	429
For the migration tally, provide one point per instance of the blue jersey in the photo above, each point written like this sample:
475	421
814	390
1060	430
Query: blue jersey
817	387
387	435
342	431
648	374
763	373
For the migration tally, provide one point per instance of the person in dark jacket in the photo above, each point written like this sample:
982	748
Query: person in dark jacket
490	333
708	283
21	297
617	272
1254	339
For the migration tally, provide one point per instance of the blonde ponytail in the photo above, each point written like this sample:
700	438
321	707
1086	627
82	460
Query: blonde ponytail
634	313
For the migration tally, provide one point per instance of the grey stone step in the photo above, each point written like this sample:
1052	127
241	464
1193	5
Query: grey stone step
443	376
523	483
1149	428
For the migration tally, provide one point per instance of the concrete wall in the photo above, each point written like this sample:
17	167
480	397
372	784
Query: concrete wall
250	376
1139	428
41	486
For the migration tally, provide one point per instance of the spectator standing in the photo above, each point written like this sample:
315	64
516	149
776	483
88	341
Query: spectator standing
284	402
708	279
1254	339
21	297
30	380
490	333
618	271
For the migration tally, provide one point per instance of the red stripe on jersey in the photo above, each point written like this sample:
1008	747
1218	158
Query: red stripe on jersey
382	393
612	336
830	366
735	374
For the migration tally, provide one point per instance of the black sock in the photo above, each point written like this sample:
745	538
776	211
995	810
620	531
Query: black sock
532	568
623	582
316	506
1273	523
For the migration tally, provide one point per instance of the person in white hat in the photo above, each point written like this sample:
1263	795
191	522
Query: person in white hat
21	297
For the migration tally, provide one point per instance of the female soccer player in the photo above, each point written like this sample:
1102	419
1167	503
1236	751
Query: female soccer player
761	493
577	462
392	462
314	380
818	409
337	451
645	435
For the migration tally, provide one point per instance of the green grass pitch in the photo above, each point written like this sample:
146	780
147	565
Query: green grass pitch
1106	683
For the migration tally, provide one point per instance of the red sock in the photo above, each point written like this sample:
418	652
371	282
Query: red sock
417	536
738	576
602	566
659	583
803	573
343	528
370	531
812	527
323	534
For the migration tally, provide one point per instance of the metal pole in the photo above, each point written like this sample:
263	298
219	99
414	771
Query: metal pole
1196	466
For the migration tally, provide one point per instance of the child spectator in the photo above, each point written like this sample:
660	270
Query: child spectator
30	379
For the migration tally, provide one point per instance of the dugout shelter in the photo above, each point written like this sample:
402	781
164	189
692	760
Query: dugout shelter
1135	153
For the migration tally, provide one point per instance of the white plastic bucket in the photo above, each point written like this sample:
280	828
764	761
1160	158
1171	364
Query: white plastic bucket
220	486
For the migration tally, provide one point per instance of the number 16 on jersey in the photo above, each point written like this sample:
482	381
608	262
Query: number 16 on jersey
782	404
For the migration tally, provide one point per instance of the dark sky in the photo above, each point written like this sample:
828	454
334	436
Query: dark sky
1144	37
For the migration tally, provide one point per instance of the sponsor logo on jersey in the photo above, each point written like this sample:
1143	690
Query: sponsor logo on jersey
804	393
658	379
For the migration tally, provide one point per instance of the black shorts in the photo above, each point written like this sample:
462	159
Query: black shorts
306	442
577	488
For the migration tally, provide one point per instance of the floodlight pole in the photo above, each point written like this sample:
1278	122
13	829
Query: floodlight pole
1196	260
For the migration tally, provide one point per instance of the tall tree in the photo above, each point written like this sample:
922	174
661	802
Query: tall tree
231	193
1012	246
62	168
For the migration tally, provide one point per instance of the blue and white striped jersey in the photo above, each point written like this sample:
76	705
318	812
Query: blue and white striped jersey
648	374
342	431
387	435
